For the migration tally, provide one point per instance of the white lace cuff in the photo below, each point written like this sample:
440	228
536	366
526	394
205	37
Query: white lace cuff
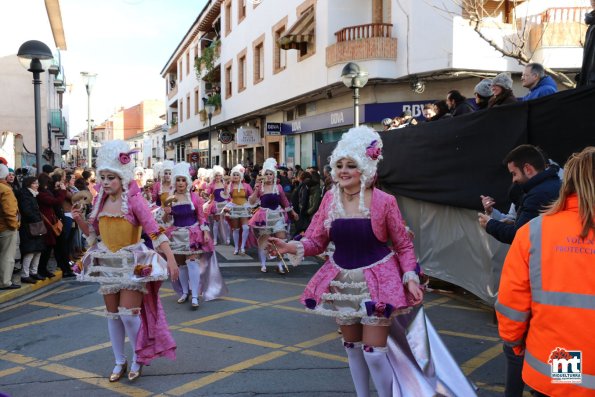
91	238
411	275
161	238
299	255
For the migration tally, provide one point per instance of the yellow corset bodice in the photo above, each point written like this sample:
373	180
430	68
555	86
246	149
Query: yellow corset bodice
238	197
117	232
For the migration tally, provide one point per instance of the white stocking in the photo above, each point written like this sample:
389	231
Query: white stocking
194	277
115	328
380	369
236	239
131	320
226	231
184	278
215	232
245	232
358	368
263	257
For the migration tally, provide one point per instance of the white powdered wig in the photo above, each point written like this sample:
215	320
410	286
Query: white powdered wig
270	164
364	146
182	169
201	173
240	170
218	170
115	156
157	169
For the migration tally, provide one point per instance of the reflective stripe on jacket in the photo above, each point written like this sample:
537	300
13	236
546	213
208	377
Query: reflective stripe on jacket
546	301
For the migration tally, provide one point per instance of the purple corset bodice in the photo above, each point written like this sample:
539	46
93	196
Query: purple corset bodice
355	243
184	215
217	194
270	201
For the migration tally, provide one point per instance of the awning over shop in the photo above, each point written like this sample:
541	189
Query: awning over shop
301	33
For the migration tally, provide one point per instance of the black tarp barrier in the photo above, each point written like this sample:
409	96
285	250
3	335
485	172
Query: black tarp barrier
454	161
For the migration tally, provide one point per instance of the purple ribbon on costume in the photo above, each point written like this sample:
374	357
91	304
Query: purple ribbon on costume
379	309
310	303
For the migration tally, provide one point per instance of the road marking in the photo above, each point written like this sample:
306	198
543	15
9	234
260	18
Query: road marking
268	280
328	356
80	352
15	358
468	336
11	371
318	341
472	364
293	309
71	289
219	315
233	338
470	308
232	299
437	302
239	280
61	307
36	322
499	389
36	298
284	300
225	372
96	380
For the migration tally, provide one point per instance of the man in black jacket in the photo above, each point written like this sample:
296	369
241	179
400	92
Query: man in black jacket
587	74
540	186
457	103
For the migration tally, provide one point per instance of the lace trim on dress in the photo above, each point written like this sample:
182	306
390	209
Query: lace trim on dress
109	215
381	261
410	275
161	238
299	255
338	296
205	228
343	285
108	289
340	315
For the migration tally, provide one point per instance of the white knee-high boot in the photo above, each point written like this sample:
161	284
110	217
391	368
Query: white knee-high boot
236	240
115	328
131	320
380	369
245	233
215	232
194	278
358	368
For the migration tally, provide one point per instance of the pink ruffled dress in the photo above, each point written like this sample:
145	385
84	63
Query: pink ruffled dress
363	279
271	216
186	235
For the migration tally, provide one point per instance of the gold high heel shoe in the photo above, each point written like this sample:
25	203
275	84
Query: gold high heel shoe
114	377
134	375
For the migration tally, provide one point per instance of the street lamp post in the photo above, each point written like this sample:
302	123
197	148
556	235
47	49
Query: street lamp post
35	56
210	110
354	77
89	79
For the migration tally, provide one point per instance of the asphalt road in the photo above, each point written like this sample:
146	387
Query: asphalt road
256	341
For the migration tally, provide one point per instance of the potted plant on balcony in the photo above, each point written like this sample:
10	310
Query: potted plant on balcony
204	65
215	100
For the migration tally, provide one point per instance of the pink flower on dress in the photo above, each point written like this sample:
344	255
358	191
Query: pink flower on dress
124	158
146	272
373	151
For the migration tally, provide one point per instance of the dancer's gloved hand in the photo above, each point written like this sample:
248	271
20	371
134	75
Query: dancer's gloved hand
281	245
416	291
174	272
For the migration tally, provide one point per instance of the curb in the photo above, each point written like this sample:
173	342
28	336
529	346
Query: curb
9	295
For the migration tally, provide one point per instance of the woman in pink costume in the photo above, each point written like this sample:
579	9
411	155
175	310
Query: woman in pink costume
191	242
128	272
366	281
239	210
271	217
216	191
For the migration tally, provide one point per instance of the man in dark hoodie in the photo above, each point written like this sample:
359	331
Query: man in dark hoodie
538	83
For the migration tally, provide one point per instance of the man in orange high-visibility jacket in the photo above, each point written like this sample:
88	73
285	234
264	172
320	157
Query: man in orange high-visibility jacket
546	301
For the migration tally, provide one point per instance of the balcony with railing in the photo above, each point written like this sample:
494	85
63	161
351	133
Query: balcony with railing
557	27
57	122
362	42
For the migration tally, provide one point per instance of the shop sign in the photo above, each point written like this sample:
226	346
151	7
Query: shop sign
322	121
274	128
194	157
225	137
73	142
375	112
247	136
203	145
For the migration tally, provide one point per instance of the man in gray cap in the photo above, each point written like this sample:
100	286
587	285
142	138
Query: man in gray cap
9	226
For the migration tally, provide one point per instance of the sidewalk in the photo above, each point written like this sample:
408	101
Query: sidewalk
12	294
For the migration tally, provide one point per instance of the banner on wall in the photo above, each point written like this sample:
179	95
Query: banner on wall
248	136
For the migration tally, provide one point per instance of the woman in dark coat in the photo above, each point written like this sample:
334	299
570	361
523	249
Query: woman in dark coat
47	200
31	246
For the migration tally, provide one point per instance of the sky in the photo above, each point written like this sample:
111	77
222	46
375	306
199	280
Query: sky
126	42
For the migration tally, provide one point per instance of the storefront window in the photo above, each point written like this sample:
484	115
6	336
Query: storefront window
326	137
306	149
290	150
